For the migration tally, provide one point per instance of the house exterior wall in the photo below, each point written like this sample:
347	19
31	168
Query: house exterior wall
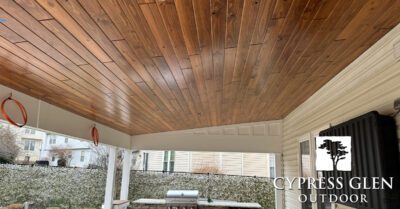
24	135
371	82
155	160
75	147
253	164
182	163
247	164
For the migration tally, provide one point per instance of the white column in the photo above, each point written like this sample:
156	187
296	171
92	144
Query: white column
278	173
126	171
108	198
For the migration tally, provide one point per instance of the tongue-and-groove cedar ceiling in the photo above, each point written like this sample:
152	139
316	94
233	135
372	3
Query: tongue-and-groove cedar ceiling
145	66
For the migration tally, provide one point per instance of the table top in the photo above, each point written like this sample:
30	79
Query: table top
204	202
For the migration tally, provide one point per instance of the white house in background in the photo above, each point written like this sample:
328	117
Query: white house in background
30	142
246	164
80	153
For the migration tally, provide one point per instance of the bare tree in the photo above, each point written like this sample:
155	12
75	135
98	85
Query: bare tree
62	154
101	157
8	147
207	169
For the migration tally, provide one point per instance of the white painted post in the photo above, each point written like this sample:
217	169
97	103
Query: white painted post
278	173
108	198
126	171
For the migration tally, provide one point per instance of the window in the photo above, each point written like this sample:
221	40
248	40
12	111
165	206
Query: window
305	171
53	158
145	161
66	140
82	156
29	145
27	158
272	165
30	131
169	161
52	139
305	159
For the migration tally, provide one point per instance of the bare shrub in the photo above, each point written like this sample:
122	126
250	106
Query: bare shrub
8	147
62	154
207	169
101	157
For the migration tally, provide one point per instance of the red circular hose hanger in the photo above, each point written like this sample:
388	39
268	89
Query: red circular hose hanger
21	108
95	135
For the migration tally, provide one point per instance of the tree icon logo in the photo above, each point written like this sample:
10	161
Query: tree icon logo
333	153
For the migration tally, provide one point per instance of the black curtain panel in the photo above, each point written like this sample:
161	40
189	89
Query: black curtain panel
375	153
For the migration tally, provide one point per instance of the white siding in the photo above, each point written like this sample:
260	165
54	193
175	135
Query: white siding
155	160
182	161
371	82
249	164
204	159
232	163
255	164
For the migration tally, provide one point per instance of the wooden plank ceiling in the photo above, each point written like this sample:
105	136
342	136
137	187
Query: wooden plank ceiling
144	66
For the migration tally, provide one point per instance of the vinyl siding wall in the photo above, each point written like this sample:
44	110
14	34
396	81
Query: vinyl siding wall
204	159
182	161
249	164
371	82
254	164
155	162
232	163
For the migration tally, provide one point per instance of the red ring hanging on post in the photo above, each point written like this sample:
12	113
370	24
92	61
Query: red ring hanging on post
21	108
95	136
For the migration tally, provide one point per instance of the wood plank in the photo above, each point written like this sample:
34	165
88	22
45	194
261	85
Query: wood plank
172	25
44	39
199	77
93	8
218	27
147	66
34	9
10	35
263	20
202	13
233	22
228	93
126	51
32	60
75	74
321	15
250	11
73	27
187	21
137	20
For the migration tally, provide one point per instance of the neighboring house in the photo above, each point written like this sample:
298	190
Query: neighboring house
78	153
247	164
30	141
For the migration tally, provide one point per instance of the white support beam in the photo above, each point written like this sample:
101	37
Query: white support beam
50	118
126	171
108	197
261	137
210	143
278	173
